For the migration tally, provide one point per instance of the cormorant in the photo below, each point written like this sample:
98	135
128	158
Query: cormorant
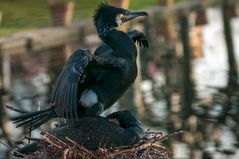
89	84
98	132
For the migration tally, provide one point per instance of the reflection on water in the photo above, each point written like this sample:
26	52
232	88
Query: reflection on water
207	134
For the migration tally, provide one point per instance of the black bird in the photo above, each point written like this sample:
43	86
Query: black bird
89	84
97	132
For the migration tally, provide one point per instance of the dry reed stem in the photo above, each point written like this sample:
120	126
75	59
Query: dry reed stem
69	149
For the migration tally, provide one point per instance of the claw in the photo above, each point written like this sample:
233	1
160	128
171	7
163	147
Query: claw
140	43
147	44
143	44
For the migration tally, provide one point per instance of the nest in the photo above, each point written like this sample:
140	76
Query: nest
52	147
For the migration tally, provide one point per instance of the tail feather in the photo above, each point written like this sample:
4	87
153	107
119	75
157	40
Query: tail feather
38	122
24	119
28	121
29	115
35	119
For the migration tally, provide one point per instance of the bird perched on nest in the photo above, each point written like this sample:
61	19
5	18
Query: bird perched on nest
89	84
97	132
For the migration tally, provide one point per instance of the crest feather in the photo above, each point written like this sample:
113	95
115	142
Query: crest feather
102	7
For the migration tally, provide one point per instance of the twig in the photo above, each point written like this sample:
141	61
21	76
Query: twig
135	149
148	143
65	153
49	141
81	147
158	146
47	133
171	135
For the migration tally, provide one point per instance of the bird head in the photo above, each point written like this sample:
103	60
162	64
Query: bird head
108	17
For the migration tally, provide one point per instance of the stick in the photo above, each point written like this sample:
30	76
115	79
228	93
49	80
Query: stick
49	141
81	147
47	133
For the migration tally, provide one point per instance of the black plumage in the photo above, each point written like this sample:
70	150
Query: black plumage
89	84
97	132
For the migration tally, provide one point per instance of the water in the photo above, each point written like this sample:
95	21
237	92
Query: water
210	73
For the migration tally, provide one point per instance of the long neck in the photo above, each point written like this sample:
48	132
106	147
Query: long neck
119	41
122	44
103	29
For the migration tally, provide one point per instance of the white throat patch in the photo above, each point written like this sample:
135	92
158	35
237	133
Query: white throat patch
118	21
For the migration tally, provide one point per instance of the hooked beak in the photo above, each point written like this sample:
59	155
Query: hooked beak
131	15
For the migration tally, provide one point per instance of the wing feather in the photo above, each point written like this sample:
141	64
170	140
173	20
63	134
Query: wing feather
64	93
61	94
74	98
70	101
64	102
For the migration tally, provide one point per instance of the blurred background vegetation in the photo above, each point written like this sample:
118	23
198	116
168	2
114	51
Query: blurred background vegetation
22	15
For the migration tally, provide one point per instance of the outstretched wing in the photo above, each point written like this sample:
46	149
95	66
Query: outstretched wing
74	76
64	93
